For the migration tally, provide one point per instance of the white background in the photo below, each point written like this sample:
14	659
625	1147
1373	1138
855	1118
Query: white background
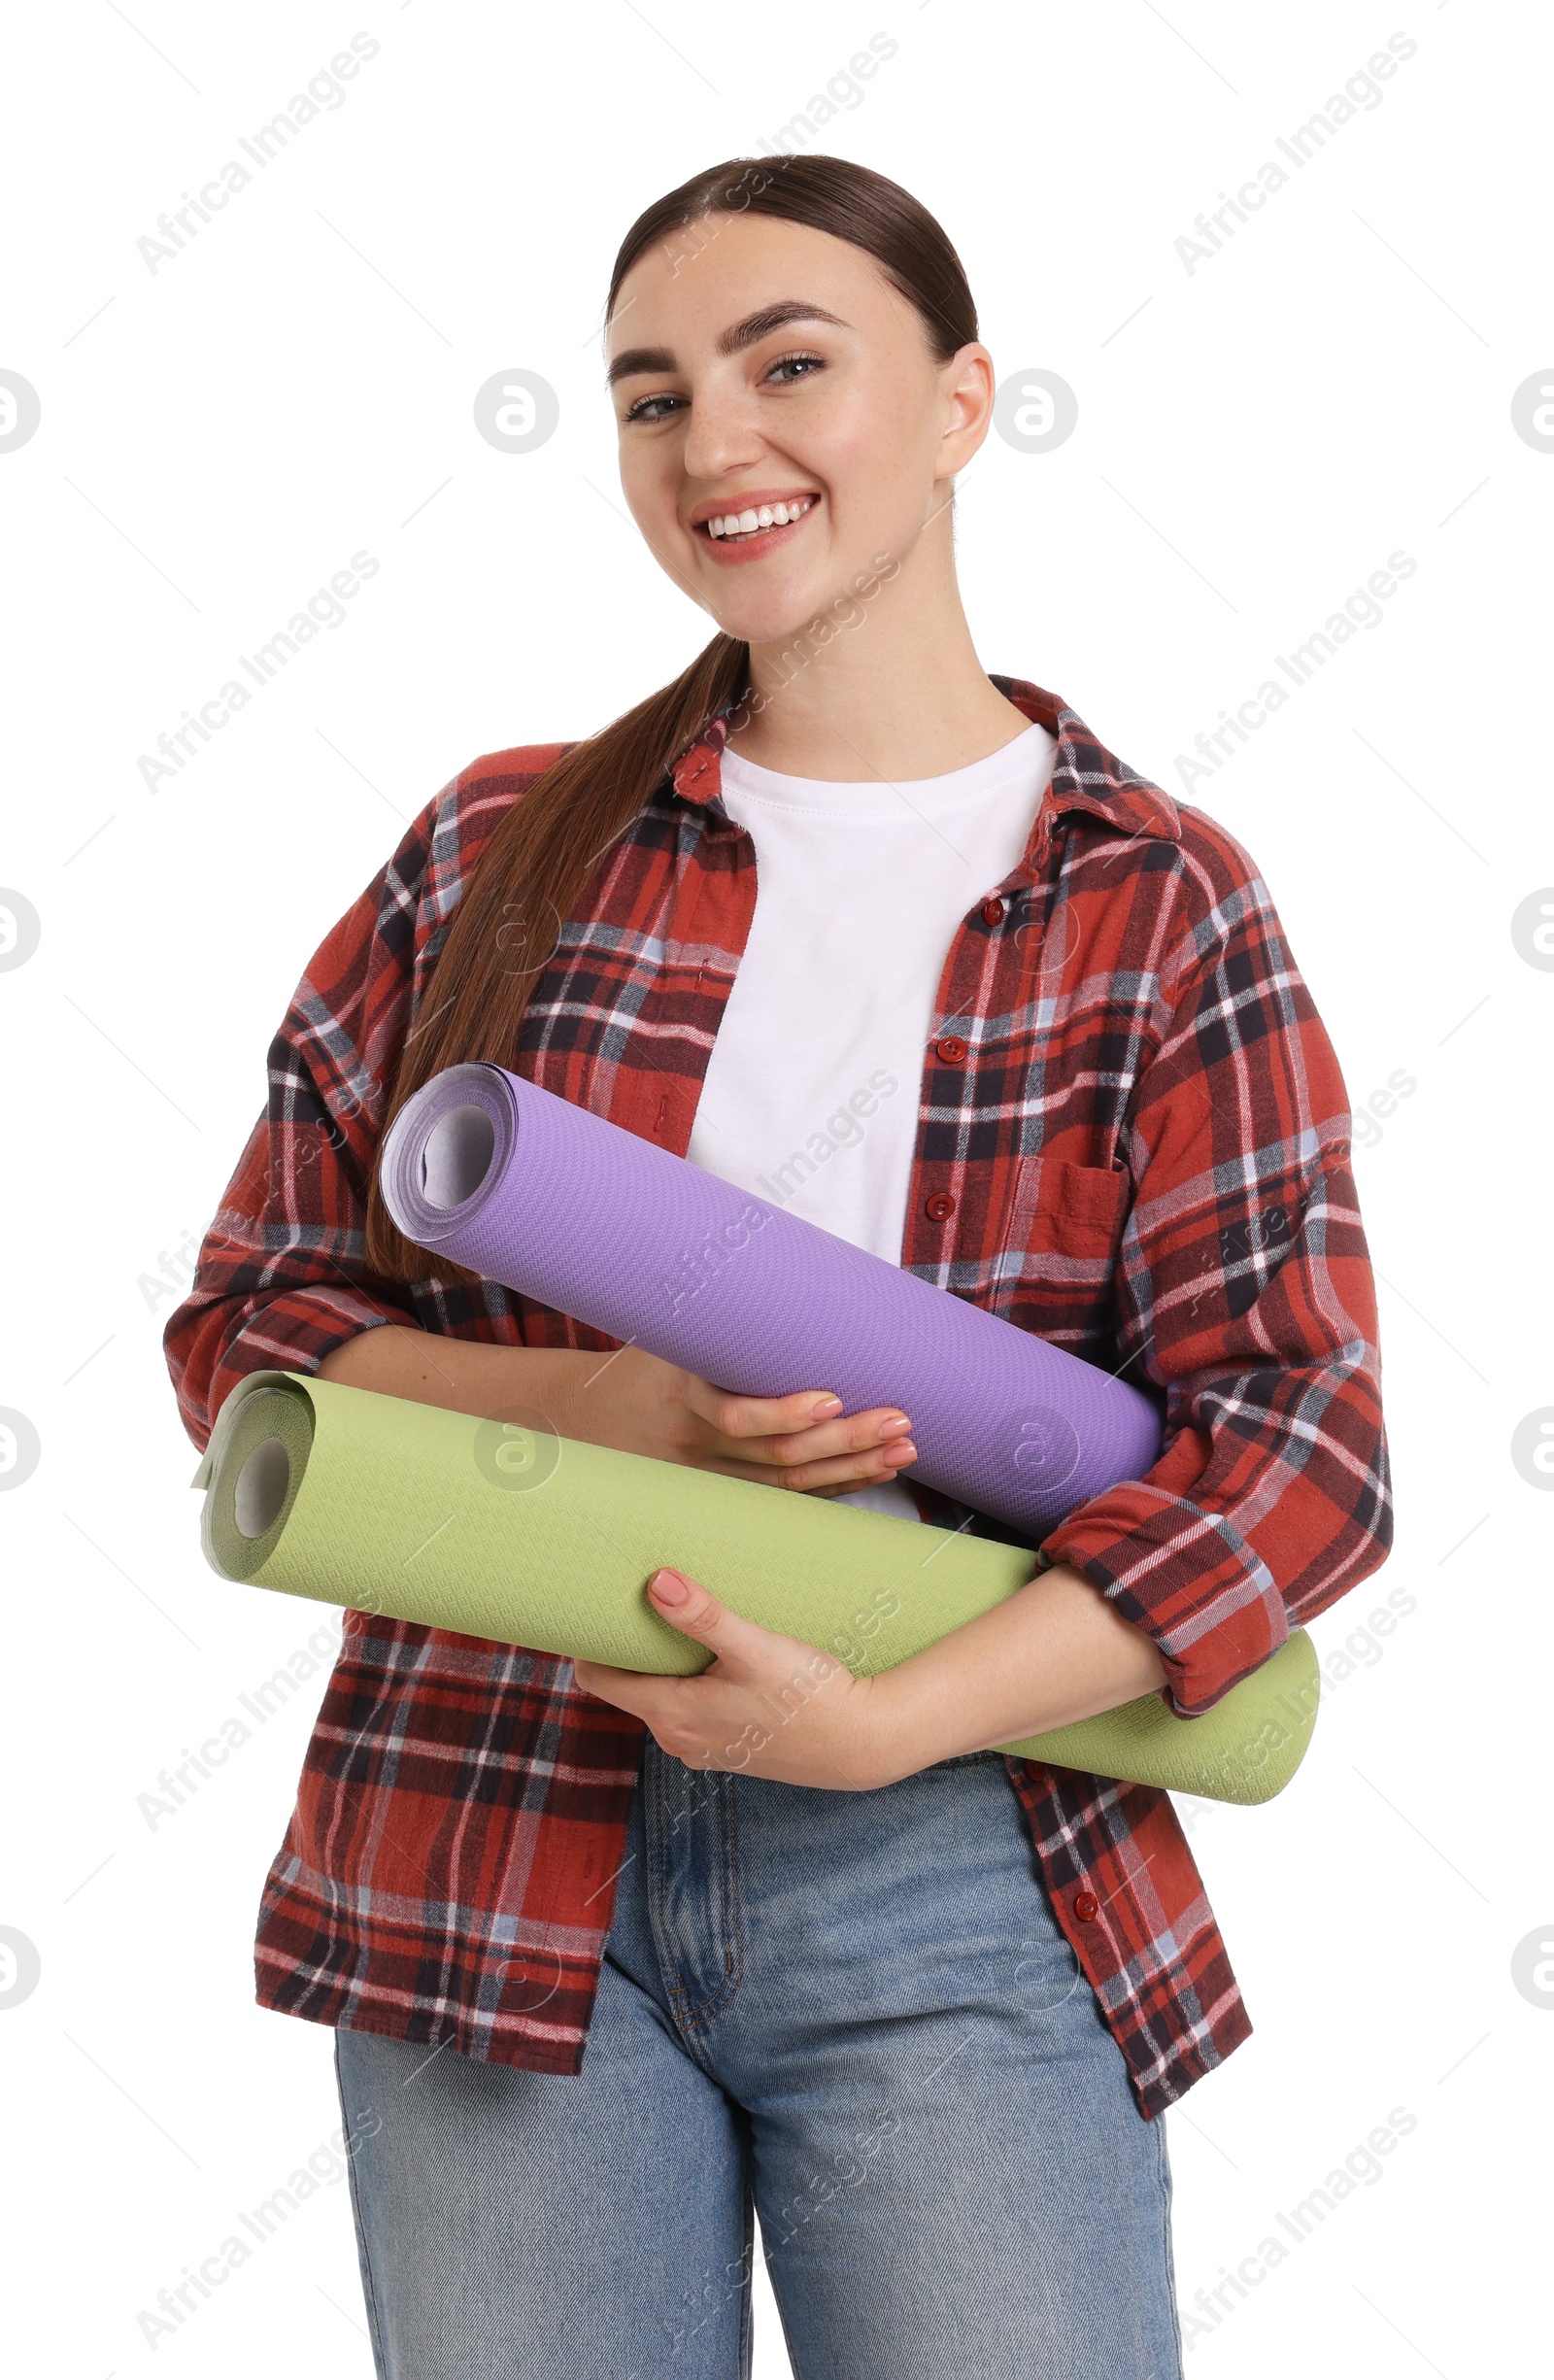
1254	438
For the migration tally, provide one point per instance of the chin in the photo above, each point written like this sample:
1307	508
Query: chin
772	619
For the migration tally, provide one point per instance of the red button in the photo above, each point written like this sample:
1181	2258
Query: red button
1086	1906
952	1049
940	1207
993	912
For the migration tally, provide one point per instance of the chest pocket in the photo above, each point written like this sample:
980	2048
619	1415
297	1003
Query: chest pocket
1062	1208
1058	1256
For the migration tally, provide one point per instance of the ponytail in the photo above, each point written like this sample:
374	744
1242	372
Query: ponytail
528	879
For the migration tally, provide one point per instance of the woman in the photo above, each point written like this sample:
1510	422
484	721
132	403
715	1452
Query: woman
612	1958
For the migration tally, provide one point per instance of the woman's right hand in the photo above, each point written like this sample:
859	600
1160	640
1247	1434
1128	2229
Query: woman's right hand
644	1405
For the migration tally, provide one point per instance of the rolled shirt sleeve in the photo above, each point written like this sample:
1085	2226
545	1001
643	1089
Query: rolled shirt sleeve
1245	1292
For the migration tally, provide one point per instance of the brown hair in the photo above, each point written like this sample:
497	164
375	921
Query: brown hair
542	851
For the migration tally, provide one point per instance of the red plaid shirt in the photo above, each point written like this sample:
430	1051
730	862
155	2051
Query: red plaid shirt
1137	1114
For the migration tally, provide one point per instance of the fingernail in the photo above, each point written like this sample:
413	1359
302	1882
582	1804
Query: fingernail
902	1450
669	1586
892	1423
826	1405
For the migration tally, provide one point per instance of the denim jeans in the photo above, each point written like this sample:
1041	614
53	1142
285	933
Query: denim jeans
852	2012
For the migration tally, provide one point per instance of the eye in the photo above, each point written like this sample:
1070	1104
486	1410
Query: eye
790	368
792	363
640	410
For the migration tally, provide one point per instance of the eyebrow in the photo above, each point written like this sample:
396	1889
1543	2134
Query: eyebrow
731	341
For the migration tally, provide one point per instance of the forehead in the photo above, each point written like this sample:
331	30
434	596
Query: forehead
708	275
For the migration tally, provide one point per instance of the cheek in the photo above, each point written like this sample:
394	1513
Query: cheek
876	450
650	480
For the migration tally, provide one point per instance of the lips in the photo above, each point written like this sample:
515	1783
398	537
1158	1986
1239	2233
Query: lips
752	524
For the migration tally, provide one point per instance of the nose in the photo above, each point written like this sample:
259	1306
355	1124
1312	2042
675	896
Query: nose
722	434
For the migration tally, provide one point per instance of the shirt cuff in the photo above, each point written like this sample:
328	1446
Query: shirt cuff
293	1333
1188	1579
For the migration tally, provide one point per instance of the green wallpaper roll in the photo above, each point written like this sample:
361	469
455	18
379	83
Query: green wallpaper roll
496	1530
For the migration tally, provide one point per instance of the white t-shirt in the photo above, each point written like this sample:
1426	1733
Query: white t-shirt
812	1089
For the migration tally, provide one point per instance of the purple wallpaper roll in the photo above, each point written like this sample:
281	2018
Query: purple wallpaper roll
561	1206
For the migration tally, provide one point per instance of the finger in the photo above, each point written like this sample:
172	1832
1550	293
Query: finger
694	1609
839	1473
741	1418
865	1438
805	1441
689	1605
608	1683
646	1694
845	1472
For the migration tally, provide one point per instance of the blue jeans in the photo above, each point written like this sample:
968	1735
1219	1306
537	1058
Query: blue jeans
853	2013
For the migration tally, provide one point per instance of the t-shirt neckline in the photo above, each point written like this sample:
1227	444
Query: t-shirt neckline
880	798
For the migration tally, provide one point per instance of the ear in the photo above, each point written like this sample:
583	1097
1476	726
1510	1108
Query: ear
968	385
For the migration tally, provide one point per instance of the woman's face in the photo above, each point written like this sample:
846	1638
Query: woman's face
756	363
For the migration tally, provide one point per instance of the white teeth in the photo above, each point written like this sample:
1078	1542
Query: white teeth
751	521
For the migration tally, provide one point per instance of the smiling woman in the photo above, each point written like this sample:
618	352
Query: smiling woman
773	1936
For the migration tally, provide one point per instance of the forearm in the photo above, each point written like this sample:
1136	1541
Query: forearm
1053	1653
465	1375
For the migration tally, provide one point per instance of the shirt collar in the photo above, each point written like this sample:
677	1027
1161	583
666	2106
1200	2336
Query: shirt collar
1085	775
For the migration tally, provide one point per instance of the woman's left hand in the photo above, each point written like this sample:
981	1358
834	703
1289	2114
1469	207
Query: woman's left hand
768	1704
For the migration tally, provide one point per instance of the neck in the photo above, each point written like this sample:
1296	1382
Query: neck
897	692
